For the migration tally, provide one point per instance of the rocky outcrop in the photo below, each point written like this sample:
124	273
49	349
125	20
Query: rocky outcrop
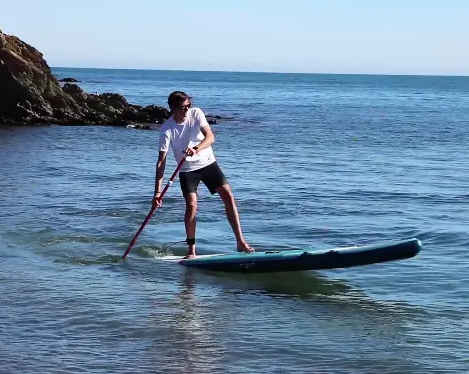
31	94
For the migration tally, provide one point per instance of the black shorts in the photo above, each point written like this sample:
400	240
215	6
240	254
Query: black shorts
210	175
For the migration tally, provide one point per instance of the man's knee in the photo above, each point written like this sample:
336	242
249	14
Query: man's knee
191	203
191	206
225	192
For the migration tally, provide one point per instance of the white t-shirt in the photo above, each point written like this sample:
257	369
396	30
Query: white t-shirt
179	136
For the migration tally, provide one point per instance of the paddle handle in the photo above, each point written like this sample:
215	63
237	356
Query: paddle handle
153	208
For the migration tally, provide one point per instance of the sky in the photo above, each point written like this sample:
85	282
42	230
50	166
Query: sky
428	37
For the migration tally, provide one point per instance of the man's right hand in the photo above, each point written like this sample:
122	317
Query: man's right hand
156	202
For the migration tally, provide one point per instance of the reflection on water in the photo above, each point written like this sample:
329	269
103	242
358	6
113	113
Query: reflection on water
208	314
185	327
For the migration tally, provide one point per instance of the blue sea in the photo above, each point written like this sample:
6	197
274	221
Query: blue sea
314	161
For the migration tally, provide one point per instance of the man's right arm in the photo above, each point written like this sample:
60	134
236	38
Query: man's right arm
159	173
163	146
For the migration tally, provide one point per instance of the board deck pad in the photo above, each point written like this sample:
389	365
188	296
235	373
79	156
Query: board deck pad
297	260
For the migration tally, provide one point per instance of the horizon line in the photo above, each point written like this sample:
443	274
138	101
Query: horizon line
265	72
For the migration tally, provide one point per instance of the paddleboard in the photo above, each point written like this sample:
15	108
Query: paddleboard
298	260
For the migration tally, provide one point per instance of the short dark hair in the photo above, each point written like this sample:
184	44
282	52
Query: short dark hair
176	98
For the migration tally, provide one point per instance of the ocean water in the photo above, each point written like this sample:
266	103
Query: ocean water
314	161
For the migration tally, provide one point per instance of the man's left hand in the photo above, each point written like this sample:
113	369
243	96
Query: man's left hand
190	151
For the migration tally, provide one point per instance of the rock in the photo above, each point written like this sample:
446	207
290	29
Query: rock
114	100
211	120
143	126
31	94
72	89
214	119
68	80
130	113
27	88
156	111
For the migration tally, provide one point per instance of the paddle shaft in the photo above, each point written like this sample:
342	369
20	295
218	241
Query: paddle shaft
153	208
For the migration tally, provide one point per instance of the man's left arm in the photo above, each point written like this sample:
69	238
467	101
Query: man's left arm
209	137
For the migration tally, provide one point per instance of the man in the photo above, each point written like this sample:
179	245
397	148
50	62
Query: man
189	135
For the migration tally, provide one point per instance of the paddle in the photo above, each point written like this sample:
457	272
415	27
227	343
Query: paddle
153	208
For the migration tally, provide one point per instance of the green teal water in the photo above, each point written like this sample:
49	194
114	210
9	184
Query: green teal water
314	161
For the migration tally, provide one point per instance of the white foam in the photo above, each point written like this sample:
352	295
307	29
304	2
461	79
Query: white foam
179	258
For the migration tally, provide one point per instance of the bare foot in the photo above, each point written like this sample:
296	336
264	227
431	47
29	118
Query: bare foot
191	252
245	247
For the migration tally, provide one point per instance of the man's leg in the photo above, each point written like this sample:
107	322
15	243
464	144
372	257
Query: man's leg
189	182
233	217
190	222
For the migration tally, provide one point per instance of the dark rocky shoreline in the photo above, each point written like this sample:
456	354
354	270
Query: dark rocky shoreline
31	95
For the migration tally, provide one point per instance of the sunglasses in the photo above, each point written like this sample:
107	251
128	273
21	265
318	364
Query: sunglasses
185	107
